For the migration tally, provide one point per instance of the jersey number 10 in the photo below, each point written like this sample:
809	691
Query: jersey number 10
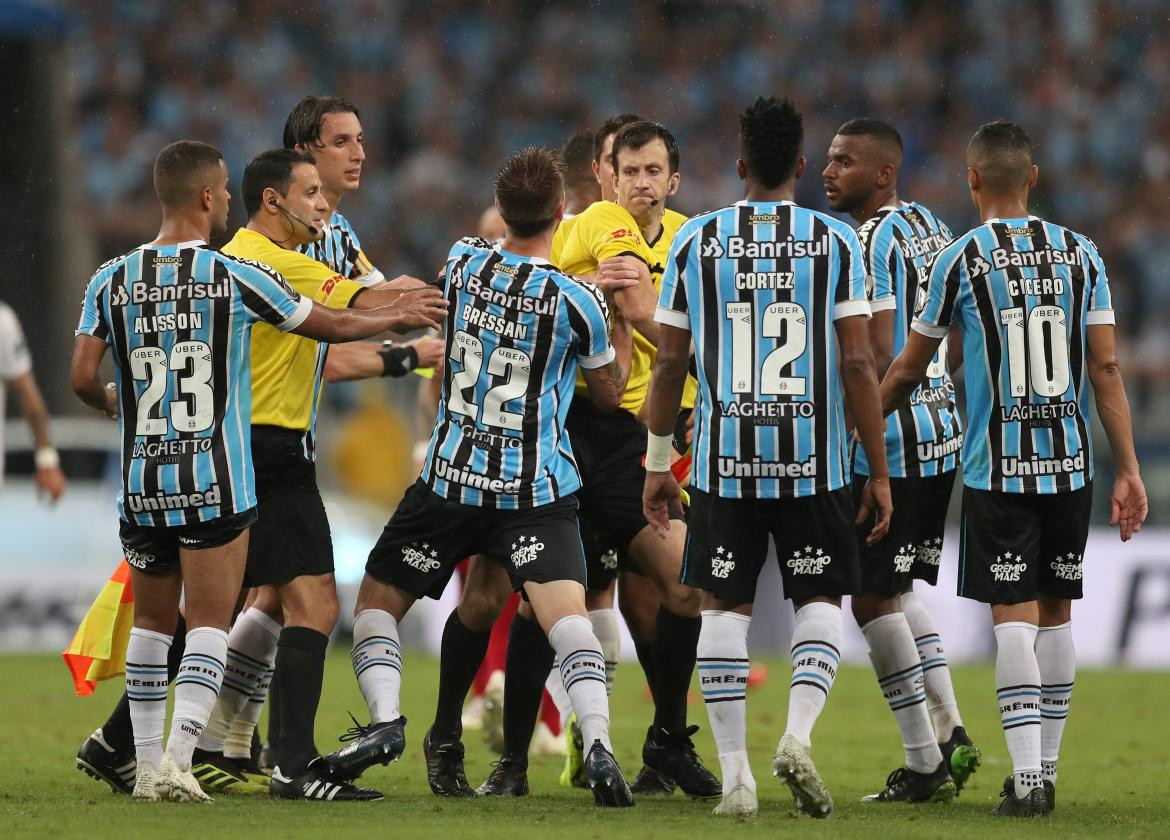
1037	350
785	321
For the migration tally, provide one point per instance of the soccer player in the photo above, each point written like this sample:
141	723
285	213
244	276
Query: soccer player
773	297
500	472
177	316
1032	301
923	438
16	372
291	550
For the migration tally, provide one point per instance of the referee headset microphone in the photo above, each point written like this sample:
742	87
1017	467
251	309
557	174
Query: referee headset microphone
315	230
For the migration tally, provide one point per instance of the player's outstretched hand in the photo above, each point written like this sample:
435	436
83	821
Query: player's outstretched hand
876	502
661	497
430	351
405	281
617	273
1128	506
421	307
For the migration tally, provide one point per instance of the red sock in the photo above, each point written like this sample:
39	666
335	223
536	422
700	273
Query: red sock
497	652
550	714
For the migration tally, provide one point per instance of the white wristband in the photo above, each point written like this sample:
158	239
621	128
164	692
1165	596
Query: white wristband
46	458
658	448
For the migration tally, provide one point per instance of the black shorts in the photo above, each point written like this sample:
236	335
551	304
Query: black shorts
154	550
727	545
427	537
610	450
1015	546
912	548
292	536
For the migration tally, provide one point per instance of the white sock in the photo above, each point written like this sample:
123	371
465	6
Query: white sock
1017	683
1057	658
196	688
940	693
722	660
583	672
556	690
146	686
816	653
899	672
238	743
605	628
377	663
250	654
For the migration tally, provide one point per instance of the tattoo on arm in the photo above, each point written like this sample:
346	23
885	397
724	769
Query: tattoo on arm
613	375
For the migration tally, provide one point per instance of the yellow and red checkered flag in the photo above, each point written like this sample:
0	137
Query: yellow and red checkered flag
98	649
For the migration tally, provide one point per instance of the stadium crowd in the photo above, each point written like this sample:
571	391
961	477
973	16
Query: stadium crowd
432	78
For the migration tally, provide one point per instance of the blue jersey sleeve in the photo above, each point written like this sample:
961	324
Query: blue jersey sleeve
267	296
672	297
879	248
93	320
850	297
1097	282
589	320
936	304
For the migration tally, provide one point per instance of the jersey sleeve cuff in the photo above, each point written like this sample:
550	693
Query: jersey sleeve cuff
600	360
672	318
304	307
928	330
883	303
372	279
1099	316
849	308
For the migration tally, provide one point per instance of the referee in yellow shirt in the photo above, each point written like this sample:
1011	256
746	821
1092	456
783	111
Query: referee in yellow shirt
291	548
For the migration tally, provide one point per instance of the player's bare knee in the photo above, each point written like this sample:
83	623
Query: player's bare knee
1054	611
478	609
868	606
681	599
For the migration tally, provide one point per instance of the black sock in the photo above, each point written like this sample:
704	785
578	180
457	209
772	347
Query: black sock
675	639
273	709
530	657
117	730
300	659
645	650
460	655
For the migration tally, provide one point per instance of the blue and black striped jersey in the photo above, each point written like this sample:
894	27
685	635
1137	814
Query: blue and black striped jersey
341	250
923	437
517	328
759	285
178	319
1023	292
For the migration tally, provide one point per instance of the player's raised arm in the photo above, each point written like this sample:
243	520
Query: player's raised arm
1128	505
336	325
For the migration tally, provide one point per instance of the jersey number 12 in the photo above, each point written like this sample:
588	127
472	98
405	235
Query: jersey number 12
785	321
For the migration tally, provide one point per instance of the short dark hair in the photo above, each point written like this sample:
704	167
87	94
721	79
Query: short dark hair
1001	152
303	126
178	168
638	134
578	155
872	127
529	189
771	132
273	168
611	126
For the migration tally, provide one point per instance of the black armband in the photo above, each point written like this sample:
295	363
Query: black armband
397	360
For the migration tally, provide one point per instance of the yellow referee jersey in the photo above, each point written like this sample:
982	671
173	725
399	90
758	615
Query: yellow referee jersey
287	368
606	229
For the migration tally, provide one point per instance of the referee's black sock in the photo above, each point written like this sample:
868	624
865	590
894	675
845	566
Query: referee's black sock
273	709
644	648
117	730
675	639
530	658
460	655
300	660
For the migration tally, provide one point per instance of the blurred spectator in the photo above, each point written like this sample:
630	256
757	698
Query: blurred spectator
448	87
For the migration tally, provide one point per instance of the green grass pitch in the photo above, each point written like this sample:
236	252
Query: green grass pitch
1112	783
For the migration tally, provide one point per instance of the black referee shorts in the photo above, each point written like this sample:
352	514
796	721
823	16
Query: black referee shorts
291	537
